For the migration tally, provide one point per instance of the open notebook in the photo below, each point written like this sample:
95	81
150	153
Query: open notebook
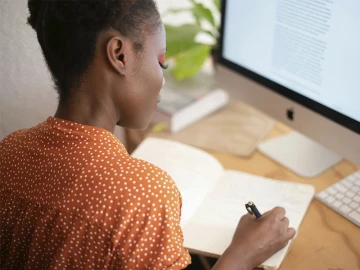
214	199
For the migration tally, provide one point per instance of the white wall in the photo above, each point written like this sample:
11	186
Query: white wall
27	96
26	93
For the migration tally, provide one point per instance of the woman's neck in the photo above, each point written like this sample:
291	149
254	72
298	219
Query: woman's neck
85	109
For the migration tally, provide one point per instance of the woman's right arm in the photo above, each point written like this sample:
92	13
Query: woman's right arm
255	240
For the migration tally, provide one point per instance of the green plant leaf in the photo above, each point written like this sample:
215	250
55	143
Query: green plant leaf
198	20
190	62
218	4
212	34
174	11
180	38
202	12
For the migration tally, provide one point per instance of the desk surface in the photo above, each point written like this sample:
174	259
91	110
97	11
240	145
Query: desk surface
326	240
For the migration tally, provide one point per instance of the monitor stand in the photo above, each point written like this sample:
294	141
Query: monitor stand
299	154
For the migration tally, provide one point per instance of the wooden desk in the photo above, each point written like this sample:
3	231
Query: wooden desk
325	239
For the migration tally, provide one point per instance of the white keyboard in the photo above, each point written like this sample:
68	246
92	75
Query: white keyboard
344	197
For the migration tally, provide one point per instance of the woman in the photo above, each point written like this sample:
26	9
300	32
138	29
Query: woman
71	196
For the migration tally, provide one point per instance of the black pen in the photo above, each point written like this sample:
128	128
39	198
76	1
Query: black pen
251	208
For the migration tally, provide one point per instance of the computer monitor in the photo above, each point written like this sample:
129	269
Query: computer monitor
299	62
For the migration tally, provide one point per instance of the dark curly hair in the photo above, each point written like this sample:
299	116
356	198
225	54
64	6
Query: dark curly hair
67	31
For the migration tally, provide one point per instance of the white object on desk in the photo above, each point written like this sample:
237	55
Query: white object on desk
299	154
344	197
179	109
214	199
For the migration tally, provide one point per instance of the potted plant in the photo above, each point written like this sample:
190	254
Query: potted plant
191	45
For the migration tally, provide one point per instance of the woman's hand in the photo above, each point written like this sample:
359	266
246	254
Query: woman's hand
255	240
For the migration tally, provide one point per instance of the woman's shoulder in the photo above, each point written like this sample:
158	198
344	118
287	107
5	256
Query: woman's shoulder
14	136
132	186
123	172
24	134
140	170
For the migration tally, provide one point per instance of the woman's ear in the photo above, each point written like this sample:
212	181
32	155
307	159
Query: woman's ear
116	55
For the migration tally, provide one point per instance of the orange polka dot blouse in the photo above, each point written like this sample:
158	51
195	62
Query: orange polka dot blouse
72	198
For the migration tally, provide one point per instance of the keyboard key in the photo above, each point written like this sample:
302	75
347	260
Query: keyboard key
337	204
345	209
352	178
350	194
356	216
330	199
357	183
322	195
355	189
356	199
354	205
346	200
346	183
331	190
339	196
340	187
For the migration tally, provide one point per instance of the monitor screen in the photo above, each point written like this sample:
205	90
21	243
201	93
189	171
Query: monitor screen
302	48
